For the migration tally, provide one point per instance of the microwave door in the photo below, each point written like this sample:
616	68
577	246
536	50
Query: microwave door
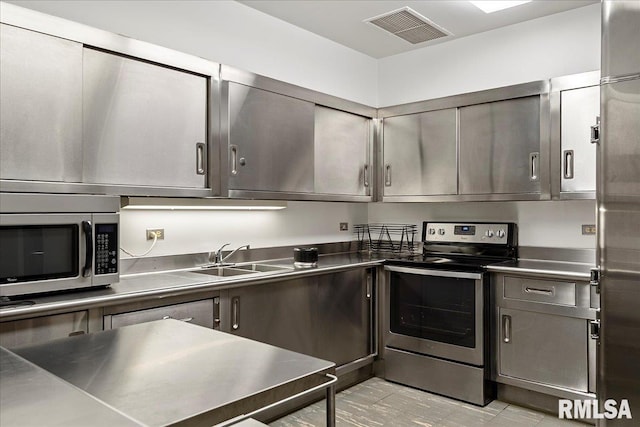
45	253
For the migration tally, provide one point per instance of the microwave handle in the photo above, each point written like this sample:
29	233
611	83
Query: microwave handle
88	259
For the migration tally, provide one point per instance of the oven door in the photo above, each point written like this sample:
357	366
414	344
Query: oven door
44	252
438	313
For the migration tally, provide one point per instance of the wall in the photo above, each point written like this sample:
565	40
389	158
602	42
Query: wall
234	34
231	33
205	231
547	224
551	46
555	45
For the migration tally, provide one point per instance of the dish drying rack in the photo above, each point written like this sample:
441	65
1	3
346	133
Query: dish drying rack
387	238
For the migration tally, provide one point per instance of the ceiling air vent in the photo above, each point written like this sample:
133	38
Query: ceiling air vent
409	25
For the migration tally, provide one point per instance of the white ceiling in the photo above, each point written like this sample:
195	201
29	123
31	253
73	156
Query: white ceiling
342	20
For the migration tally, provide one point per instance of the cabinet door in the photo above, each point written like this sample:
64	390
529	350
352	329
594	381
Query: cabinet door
270	141
198	313
341	153
40	107
42	329
579	109
344	316
143	124
544	348
281	314
420	154
500	147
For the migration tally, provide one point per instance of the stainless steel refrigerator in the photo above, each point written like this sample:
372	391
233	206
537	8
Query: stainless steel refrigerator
618	201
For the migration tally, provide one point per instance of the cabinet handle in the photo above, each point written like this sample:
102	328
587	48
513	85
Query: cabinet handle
538	291
234	159
534	164
369	286
568	164
186	319
387	175
201	150
594	329
216	313
506	328
235	313
366	175
595	132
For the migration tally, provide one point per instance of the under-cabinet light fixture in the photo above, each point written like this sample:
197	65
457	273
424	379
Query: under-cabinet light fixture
494	6
199	204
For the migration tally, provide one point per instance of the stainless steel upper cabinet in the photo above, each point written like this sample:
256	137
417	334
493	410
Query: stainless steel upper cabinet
40	107
420	154
500	147
143	124
341	153
579	112
270	140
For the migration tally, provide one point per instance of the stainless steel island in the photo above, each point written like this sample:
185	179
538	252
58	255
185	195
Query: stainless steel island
168	372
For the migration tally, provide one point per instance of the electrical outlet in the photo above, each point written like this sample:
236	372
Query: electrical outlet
588	229
344	226
158	231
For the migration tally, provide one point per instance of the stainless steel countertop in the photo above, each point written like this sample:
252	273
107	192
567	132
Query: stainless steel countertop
142	286
167	372
31	396
545	268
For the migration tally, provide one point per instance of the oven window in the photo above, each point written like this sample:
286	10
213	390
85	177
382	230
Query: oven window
39	252
435	308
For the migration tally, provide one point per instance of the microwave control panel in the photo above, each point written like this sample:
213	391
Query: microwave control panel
106	248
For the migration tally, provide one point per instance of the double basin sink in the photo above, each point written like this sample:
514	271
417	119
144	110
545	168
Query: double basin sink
240	270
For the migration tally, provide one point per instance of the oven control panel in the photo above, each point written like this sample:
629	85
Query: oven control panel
466	233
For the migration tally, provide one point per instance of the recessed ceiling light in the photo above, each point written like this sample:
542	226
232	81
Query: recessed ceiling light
494	6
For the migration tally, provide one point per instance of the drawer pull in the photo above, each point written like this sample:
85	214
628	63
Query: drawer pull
538	291
186	319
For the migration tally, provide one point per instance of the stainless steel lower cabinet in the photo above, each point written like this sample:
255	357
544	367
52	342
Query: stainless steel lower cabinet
440	376
280	314
42	329
545	348
344	316
200	313
328	316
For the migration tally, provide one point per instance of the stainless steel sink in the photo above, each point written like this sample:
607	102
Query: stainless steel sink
264	267
225	271
242	269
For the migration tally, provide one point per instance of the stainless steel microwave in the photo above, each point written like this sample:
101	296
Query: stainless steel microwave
55	242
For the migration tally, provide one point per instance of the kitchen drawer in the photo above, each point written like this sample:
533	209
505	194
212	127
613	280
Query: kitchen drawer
536	290
197	312
42	329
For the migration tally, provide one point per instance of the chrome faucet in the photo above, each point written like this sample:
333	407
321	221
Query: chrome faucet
216	257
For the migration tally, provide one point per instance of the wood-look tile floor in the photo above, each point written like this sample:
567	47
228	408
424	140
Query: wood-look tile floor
377	402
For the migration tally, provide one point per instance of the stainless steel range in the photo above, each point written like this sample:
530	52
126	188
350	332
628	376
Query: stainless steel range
436	309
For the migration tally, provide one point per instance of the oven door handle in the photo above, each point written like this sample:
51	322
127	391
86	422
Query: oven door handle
438	273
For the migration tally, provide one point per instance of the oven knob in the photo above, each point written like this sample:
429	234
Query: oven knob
432	231
441	231
488	233
500	233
